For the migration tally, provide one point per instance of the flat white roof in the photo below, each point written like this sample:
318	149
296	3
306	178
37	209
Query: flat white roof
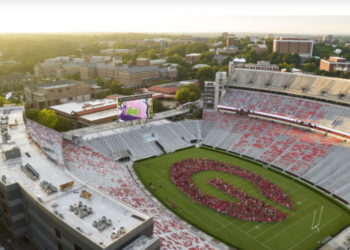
101	114
59	86
75	106
101	204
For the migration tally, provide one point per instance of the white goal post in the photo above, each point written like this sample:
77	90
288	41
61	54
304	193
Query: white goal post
313	226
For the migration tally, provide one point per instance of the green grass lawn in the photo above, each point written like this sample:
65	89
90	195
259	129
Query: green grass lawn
292	233
133	111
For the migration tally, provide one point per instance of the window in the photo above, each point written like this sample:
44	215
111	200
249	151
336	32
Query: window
30	222
76	247
52	90
4	207
59	90
67	88
27	205
70	98
59	246
58	234
2	196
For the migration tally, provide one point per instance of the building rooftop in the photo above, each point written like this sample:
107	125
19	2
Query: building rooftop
88	107
10	78
197	66
140	69
101	204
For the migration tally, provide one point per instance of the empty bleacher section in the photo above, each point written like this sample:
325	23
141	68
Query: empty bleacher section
329	89
148	141
115	180
319	159
50	141
322	114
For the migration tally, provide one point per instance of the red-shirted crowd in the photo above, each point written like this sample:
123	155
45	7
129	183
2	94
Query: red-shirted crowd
250	209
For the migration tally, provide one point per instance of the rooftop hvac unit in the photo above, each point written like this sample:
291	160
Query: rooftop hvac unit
3	179
94	223
61	216
55	212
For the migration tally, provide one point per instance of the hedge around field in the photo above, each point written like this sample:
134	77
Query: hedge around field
317	246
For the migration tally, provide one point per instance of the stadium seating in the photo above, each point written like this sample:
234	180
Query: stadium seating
114	179
179	240
326	115
50	141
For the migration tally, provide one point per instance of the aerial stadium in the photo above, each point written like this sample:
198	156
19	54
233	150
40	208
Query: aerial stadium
267	167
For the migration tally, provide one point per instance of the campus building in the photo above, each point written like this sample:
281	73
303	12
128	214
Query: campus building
302	46
334	63
232	41
82	114
44	95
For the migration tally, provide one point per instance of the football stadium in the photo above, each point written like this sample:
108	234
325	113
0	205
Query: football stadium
267	167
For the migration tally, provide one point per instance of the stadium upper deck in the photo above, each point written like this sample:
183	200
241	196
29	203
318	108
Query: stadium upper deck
326	89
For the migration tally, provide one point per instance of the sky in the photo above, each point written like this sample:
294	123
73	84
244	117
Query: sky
180	16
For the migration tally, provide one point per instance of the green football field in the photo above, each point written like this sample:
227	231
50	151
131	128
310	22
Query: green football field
133	111
292	233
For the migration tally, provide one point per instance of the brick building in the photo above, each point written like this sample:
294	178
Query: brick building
113	52
192	57
134	77
67	69
302	46
325	39
44	95
83	114
232	41
11	82
260	48
46	69
334	63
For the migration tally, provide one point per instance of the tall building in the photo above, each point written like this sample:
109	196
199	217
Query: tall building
225	35
269	36
302	46
324	39
233	41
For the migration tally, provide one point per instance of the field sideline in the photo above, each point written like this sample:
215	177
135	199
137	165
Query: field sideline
292	233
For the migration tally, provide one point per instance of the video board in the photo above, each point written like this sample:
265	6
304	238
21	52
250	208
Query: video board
135	107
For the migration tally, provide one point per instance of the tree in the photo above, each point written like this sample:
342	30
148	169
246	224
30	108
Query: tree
75	76
32	114
188	92
126	91
183	73
309	67
224	69
158	106
176	59
206	72
2	101
47	118
287	66
62	124
182	95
